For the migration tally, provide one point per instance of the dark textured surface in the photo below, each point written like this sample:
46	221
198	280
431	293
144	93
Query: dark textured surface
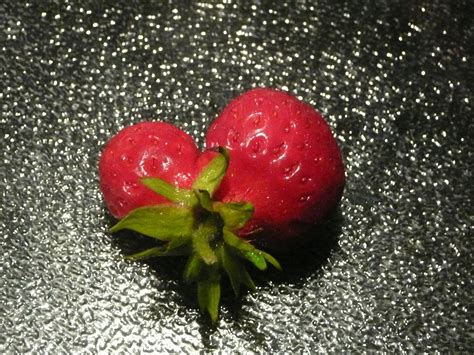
393	271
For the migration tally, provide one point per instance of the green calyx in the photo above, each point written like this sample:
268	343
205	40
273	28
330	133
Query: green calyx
193	224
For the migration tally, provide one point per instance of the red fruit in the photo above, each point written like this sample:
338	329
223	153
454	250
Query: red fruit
283	159
148	149
278	170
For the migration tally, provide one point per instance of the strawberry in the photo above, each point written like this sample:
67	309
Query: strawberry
155	181
271	169
145	149
284	160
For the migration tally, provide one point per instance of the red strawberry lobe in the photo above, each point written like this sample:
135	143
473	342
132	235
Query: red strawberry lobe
148	149
284	160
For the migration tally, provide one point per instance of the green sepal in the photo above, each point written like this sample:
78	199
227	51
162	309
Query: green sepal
200	240
209	293
236	242
193	268
235	215
202	295
159	251
225	153
179	241
175	247
245	249
171	192
256	256
211	176
162	222
274	262
204	199
256	259
194	225
232	267
246	279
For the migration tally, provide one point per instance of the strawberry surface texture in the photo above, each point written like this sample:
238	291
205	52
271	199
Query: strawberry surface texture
271	169
147	149
284	160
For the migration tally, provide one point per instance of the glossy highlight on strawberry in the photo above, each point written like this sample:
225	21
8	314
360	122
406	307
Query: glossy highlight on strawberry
145	149
271	168
284	160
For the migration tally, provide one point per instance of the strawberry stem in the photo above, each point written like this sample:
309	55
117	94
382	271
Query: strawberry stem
192	224
201	238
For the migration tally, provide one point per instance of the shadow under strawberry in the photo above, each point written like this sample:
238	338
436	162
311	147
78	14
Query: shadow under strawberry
271	168
306	256
299	263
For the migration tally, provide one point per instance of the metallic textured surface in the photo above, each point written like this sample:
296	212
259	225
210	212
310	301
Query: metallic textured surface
392	271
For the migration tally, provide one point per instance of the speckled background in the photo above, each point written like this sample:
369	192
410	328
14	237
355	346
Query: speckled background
392	269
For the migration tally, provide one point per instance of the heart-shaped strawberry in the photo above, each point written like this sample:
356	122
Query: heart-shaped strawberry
271	169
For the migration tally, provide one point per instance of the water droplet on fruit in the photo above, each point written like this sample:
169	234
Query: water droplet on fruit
287	129
257	121
131	140
275	112
304	198
258	101
304	179
317	160
114	175
179	149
